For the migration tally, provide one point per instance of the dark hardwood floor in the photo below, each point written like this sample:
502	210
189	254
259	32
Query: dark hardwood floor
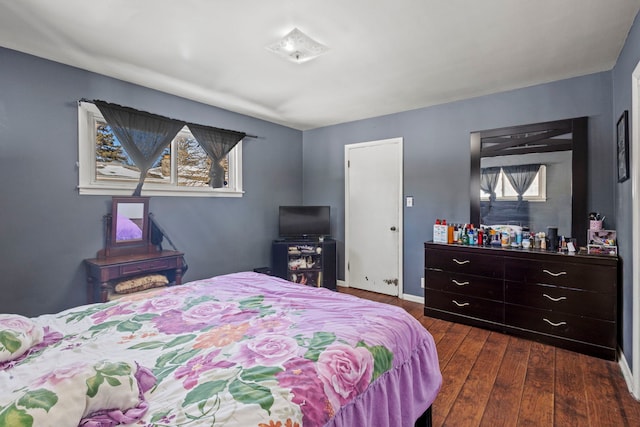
491	379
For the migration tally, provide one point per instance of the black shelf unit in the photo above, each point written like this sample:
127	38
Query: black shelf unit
308	262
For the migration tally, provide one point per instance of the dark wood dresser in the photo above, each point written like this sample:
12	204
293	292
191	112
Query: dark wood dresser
569	301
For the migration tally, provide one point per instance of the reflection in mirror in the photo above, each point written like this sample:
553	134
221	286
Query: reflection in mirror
531	175
546	200
129	221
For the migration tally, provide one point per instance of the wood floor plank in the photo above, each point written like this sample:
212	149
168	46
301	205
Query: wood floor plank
570	391
603	407
536	408
470	405
629	406
438	328
504	400
447	348
457	372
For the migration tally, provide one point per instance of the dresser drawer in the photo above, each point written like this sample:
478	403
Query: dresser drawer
595	278
566	300
147	266
491	311
464	262
465	284
585	329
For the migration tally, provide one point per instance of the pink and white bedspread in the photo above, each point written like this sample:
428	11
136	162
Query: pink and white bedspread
238	350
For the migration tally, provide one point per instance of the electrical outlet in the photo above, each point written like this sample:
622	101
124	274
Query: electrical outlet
422	282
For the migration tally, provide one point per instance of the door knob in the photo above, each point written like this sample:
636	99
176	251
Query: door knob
393	228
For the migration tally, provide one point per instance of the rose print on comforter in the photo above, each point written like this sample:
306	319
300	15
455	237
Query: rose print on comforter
239	350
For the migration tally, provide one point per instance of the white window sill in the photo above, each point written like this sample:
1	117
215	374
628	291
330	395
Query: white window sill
186	192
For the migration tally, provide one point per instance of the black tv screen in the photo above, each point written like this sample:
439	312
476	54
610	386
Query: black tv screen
304	221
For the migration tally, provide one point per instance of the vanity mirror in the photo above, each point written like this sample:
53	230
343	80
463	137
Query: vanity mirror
554	155
127	227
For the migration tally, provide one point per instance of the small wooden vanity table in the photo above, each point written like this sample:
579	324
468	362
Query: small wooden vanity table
128	250
101	272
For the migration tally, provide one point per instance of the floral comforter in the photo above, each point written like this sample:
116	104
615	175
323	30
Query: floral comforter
243	349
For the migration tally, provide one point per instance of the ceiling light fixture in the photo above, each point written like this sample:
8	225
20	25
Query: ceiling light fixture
298	47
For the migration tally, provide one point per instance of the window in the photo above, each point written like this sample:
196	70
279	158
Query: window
183	169
537	191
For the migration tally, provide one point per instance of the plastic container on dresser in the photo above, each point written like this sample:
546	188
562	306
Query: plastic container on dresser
308	262
569	301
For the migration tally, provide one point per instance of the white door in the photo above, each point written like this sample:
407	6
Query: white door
373	216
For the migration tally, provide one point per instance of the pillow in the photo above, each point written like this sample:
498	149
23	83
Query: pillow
17	335
140	283
101	394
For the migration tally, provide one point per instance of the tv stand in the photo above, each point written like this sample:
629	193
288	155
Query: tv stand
305	260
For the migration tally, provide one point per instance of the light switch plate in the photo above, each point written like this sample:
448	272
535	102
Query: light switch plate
409	201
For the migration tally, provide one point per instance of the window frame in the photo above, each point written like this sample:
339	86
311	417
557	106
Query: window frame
542	189
89	185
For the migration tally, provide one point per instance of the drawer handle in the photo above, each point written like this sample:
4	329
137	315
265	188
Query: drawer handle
554	299
459	283
555	274
464	304
554	324
466	261
435	269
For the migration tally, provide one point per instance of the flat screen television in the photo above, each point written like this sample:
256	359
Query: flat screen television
304	221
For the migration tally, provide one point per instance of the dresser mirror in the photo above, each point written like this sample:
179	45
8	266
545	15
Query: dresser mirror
553	155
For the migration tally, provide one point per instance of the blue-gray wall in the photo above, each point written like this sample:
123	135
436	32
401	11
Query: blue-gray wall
627	62
436	155
47	229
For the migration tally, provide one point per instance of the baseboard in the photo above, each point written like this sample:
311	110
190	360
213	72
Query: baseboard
408	297
627	375
413	298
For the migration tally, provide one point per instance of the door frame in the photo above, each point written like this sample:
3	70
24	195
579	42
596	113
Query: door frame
347	148
635	249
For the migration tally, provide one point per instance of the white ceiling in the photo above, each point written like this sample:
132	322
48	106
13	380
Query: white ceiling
385	56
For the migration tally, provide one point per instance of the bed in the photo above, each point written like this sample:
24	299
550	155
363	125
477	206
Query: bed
243	349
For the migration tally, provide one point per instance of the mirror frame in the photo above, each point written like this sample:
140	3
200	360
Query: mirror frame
578	127
114	247
115	202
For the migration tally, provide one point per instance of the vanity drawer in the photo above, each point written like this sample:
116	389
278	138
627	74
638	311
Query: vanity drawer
566	300
465	284
585	329
464	262
147	266
479	308
597	278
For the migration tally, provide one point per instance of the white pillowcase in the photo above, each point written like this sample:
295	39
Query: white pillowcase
17	335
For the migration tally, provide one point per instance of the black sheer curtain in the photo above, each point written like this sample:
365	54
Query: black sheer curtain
143	135
489	181
521	177
217	143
